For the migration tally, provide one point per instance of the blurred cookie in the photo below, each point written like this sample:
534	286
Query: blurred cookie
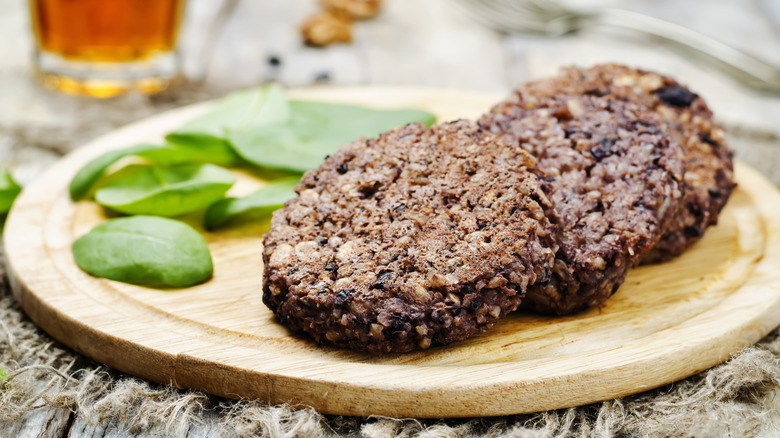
614	179
686	118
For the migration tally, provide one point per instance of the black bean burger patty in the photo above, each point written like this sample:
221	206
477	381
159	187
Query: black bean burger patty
422	237
614	179
685	117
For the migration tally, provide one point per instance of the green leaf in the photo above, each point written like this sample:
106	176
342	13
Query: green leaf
3	374
194	148
179	149
83	181
314	130
161	191
145	250
243	109
9	189
259	204
280	147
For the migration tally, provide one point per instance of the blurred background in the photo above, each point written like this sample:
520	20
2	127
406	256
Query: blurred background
231	44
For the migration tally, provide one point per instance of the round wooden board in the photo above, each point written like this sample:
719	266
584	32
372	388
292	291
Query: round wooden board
665	323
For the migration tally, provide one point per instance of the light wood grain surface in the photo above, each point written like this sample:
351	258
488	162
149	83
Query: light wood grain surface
667	322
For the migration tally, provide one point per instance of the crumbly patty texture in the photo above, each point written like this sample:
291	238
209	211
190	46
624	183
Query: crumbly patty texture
687	119
614	180
421	237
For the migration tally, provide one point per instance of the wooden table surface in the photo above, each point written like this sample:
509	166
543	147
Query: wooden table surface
230	44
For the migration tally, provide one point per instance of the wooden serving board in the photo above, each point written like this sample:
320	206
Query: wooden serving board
665	323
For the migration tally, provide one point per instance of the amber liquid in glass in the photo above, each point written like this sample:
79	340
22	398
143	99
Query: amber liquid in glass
102	47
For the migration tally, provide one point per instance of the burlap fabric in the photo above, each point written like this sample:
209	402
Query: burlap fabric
737	398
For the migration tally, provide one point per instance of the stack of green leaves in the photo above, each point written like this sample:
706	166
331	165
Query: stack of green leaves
256	128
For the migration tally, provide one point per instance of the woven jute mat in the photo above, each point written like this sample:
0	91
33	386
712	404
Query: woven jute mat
736	398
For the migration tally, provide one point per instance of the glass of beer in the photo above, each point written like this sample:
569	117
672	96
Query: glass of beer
106	47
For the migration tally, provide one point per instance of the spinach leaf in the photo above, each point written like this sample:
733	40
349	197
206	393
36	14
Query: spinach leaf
145	250
180	148
250	108
280	147
162	191
9	189
194	148
88	175
260	203
261	127
314	130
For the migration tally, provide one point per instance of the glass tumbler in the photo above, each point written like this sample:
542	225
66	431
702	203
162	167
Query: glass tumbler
106	47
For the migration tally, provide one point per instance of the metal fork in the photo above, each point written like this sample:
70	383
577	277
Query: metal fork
548	17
